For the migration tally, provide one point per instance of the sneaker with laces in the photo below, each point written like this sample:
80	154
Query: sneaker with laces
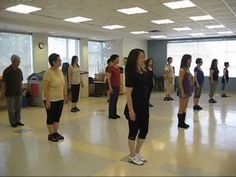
58	136
141	157
135	160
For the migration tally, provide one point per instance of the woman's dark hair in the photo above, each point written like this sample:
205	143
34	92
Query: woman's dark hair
184	61
214	64
73	60
113	57
147	61
169	58
198	60
132	60
226	64
53	58
108	61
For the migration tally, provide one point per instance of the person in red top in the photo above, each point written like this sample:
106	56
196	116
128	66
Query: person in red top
114	86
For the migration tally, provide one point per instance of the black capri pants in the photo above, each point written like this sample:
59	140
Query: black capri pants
54	113
138	127
75	89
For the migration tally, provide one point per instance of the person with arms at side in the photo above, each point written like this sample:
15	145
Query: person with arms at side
150	77
225	79
185	90
114	86
106	78
137	106
54	94
168	79
213	79
74	80
12	89
198	83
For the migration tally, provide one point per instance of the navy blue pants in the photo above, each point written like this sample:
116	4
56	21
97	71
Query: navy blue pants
113	101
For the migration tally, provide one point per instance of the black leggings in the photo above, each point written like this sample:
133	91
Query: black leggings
139	125
75	93
54	113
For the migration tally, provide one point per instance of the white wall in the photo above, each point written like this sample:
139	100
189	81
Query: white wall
129	43
40	56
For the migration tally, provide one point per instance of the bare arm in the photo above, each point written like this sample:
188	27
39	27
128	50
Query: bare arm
181	78
130	103
224	73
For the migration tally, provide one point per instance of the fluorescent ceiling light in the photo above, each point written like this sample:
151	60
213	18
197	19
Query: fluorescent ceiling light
182	29
215	26
139	32
196	34
77	19
225	32
112	27
164	21
133	10
158	37
179	4
23	9
201	18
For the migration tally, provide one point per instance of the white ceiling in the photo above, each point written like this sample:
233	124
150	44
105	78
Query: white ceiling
103	12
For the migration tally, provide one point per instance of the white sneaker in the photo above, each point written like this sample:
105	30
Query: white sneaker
140	157
135	160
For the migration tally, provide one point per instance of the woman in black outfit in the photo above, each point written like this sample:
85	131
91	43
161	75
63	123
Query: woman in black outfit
214	76
149	70
137	107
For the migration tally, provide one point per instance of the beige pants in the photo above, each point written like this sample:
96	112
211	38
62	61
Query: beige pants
169	87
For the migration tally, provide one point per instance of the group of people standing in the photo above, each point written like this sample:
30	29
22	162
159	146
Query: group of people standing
139	85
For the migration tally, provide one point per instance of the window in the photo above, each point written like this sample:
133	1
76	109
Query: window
97	63
224	51
65	47
19	44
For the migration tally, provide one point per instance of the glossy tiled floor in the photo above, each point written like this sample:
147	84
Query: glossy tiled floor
96	145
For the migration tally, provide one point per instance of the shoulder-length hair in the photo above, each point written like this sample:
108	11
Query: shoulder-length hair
73	60
184	61
214	64
147	62
132	60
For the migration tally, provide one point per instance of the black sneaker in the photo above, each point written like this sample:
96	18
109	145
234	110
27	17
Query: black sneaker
112	117
184	125
212	101
52	137
14	125
224	95
77	109
196	108
117	116
200	108
59	137
170	98
166	99
73	110
150	105
20	123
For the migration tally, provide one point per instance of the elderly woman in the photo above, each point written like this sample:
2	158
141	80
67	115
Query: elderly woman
54	94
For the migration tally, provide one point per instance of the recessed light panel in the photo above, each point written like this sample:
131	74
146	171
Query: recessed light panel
139	32
158	37
77	19
112	27
164	21
201	18
182	29
179	4
196	34
133	10
23	9
215	26
225	32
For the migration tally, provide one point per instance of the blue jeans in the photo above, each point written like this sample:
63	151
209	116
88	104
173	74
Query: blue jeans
113	102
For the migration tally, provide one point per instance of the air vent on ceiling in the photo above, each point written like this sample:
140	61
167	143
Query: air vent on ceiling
154	31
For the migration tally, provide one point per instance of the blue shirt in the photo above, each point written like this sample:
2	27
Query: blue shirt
200	75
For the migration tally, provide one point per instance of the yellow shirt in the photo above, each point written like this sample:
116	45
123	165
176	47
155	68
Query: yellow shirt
56	84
